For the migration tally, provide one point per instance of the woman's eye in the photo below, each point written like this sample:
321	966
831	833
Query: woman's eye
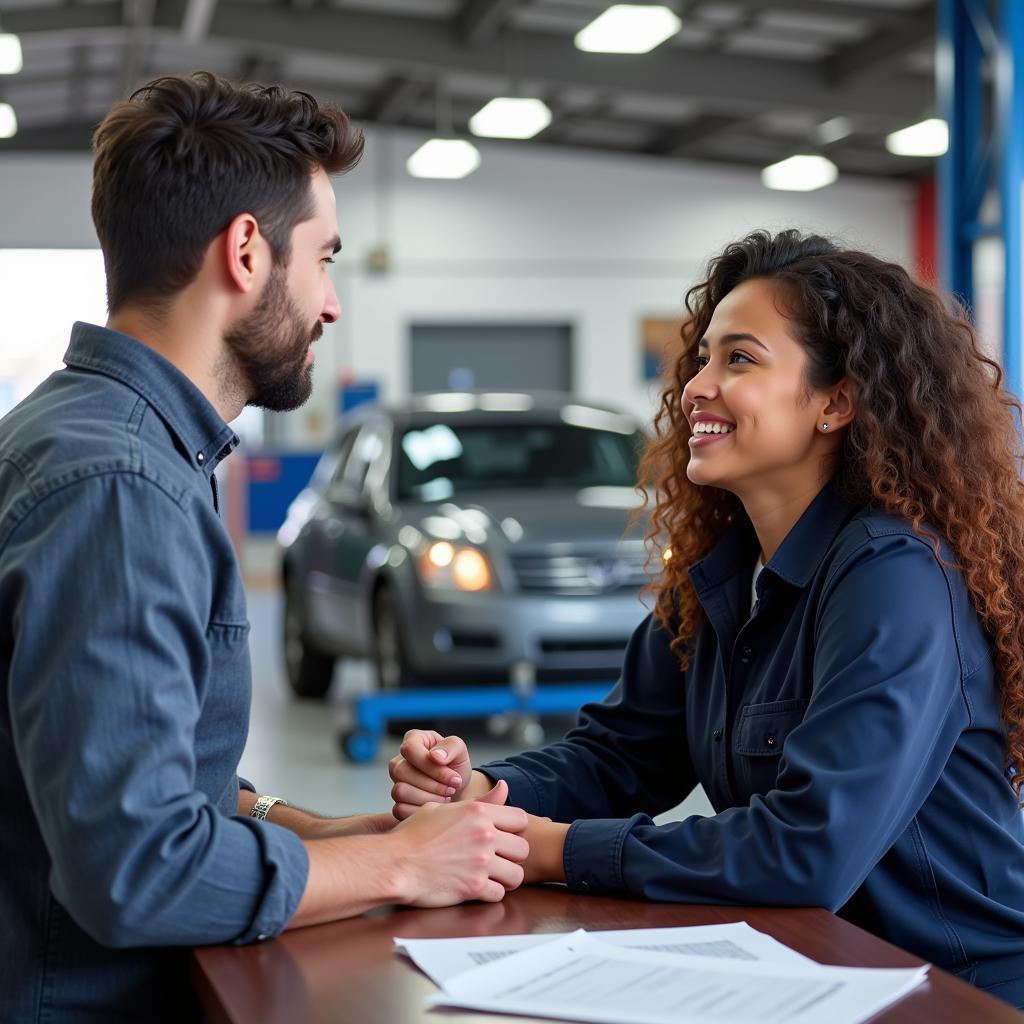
701	362
328	259
733	356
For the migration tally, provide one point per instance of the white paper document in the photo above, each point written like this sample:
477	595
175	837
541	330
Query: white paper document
578	977
441	959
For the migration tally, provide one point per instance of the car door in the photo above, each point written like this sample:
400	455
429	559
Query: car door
352	526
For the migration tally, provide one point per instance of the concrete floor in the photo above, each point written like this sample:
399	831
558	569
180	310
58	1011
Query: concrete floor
293	749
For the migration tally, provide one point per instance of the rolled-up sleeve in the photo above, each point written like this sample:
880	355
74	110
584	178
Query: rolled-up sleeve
887	707
109	651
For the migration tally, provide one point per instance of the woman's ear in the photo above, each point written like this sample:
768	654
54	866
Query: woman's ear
839	407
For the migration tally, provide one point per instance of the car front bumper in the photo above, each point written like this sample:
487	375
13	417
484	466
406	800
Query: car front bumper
494	635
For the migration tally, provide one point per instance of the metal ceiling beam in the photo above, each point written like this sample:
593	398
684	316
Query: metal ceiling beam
878	52
52	138
396	99
479	22
679	141
424	45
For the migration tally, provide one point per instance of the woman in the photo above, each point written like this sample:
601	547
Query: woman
836	651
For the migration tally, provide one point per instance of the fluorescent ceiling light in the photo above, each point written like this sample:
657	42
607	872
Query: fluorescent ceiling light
628	28
10	54
926	138
802	173
507	117
444	158
8	122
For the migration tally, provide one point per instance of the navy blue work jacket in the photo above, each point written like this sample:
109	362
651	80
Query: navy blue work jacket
124	698
847	734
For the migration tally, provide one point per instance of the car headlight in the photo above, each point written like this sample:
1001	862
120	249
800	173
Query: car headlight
458	568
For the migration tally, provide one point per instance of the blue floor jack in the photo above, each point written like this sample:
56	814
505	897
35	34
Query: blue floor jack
521	697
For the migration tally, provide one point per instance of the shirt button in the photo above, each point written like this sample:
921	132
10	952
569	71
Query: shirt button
746	653
770	741
261	937
717	735
584	887
200	458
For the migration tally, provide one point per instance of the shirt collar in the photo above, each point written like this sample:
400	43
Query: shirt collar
797	557
203	434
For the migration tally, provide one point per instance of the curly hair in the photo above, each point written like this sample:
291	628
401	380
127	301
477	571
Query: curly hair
183	156
935	438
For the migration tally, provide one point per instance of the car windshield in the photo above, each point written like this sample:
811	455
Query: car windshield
443	459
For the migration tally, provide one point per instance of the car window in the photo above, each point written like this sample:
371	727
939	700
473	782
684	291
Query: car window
443	459
368	446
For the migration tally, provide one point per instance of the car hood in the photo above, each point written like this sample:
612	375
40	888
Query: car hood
530	520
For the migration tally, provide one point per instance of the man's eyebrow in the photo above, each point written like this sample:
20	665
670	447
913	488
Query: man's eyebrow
333	243
728	338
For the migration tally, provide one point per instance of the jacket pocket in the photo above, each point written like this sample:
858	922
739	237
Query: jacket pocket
761	732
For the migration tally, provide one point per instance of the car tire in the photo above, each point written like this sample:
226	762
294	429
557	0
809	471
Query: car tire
389	658
309	670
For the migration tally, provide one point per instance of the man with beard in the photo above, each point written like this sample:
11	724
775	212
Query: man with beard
127	836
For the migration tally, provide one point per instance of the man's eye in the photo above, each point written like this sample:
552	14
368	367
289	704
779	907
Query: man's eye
329	259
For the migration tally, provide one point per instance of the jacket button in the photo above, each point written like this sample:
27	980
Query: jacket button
746	653
770	741
717	735
584	887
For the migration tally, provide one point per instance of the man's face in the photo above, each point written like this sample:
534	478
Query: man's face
273	343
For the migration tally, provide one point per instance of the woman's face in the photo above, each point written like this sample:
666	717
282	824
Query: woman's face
754	424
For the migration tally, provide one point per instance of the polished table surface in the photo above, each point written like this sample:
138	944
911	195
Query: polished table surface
348	971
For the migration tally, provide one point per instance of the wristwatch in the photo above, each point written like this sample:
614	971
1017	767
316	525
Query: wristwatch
263	805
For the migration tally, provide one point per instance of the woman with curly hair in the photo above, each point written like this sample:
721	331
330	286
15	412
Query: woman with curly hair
836	651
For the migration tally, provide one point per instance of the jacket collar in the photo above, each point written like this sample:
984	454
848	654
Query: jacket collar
797	557
204	436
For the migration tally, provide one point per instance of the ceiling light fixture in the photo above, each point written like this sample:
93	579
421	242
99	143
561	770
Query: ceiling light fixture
509	117
926	138
802	173
8	121
628	28
444	158
10	54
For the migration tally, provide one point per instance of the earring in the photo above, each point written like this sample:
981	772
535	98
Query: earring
824	426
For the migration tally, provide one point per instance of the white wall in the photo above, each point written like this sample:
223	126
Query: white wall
536	233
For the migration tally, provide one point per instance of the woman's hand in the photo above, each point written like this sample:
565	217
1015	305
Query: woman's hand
431	768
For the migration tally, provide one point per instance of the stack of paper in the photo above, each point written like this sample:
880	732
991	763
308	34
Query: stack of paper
710	974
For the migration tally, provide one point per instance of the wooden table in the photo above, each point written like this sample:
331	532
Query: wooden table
348	971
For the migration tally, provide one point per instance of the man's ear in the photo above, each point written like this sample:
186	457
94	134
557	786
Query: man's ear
242	248
839	406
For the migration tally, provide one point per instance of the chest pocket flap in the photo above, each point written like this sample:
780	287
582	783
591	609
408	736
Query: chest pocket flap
762	728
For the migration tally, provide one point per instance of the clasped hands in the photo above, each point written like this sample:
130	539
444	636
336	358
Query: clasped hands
433	769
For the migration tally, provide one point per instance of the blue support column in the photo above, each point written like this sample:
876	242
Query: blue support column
1010	105
986	151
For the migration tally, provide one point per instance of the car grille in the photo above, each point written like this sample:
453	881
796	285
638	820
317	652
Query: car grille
580	574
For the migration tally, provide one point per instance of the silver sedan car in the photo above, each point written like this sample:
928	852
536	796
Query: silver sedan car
466	537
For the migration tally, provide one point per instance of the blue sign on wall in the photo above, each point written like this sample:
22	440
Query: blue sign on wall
275	478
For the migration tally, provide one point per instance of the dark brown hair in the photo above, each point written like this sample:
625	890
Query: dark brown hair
180	159
935	439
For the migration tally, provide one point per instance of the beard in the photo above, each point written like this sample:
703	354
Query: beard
269	346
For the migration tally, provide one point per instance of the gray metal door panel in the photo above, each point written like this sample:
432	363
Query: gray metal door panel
501	357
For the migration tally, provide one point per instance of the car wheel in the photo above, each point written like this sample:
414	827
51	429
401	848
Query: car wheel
388	651
309	670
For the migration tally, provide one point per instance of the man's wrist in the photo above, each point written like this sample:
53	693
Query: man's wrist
480	783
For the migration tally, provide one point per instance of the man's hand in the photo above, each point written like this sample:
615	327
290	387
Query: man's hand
431	768
469	851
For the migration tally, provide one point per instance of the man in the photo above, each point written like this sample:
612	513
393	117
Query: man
126	835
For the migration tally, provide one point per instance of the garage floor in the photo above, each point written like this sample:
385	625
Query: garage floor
293	751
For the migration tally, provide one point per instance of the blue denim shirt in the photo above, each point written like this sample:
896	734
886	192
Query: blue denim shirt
848	736
125	672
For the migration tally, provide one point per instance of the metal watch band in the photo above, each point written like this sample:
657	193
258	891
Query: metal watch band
263	805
